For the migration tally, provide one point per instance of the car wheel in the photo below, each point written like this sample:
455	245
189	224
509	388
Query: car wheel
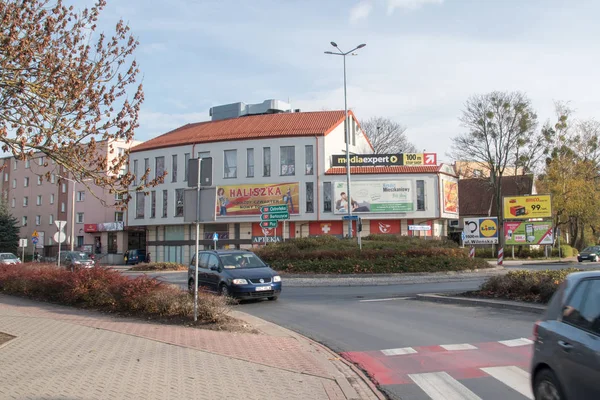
224	290
273	298
546	386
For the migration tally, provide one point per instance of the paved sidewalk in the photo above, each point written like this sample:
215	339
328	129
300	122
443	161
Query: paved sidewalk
65	353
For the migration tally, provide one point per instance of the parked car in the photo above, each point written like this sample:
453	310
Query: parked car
238	273
75	259
589	253
9	258
566	357
133	257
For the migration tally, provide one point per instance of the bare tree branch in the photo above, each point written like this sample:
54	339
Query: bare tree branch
387	136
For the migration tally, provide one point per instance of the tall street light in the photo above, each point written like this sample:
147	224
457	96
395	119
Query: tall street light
74	182
347	131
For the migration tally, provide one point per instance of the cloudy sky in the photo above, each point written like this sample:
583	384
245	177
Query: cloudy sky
423	58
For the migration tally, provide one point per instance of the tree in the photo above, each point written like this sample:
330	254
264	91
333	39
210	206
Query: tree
387	136
9	230
501	133
64	87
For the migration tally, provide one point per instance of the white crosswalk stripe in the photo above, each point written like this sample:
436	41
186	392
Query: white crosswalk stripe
512	377
399	352
441	386
464	346
516	342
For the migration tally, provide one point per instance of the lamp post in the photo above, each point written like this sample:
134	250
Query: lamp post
74	182
347	131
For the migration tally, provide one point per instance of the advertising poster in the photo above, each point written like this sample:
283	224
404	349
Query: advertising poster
247	199
528	233
450	192
385	226
481	230
374	197
526	207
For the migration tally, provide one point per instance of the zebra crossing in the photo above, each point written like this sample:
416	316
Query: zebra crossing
462	371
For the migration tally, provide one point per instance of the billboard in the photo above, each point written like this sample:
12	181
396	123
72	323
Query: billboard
375	197
247	199
481	230
384	160
450	193
526	207
528	233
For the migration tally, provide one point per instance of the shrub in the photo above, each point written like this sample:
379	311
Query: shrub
159	266
108	290
531	286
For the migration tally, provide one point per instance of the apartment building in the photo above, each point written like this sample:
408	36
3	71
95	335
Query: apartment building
37	202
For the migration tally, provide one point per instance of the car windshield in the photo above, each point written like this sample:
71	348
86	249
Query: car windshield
80	256
9	256
592	249
241	260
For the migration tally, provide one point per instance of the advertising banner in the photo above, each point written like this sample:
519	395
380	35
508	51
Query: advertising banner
384	160
385	226
481	230
528	233
318	228
450	193
375	197
248	199
526	207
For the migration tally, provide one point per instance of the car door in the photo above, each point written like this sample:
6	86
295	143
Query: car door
202	271
213	272
589	355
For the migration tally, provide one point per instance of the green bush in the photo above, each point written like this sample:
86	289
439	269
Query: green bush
159	266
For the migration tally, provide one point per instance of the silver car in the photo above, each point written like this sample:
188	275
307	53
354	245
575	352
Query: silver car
566	357
9	258
75	259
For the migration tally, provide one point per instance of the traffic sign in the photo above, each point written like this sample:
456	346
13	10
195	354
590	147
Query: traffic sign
60	224
274	216
463	236
215	237
22	242
350	217
280	208
419	228
60	236
34	240
268	224
34	234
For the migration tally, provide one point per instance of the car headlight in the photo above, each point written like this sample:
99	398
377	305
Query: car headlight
276	278
240	282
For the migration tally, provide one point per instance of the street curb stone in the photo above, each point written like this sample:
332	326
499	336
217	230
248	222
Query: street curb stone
506	304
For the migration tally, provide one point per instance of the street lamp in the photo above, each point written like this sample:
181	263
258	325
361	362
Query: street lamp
347	131
74	182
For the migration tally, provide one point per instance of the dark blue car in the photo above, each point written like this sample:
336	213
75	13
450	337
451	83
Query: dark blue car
236	273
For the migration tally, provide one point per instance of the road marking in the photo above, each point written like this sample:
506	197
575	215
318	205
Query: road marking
464	346
516	342
399	352
390	299
512	377
441	386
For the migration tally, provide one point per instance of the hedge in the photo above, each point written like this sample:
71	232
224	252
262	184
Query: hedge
524	252
159	266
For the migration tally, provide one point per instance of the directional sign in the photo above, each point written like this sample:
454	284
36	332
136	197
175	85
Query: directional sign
350	217
463	236
215	237
268	224
280	208
34	234
481	230
274	216
34	240
429	159
419	228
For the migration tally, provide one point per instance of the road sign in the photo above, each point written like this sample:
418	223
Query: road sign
463	236
274	216
60	224
279	208
350	217
481	230
429	159
34	234
215	237
22	242
34	240
268	224
419	228
60	236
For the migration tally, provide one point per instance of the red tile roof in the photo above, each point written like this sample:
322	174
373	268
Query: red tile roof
399	169
318	123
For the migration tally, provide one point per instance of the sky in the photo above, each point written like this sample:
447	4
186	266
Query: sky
423	58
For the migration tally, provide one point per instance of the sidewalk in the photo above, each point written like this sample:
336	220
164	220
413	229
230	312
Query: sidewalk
65	353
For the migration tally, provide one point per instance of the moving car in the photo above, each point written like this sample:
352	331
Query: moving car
75	259
566	357
589	253
9	258
236	273
133	257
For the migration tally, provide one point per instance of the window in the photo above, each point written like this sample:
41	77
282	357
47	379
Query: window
140	203
309	197
230	164
119	216
26	182
79	218
477	173
179	202
174	168
119	196
27	163
64	187
63	207
38	219
51	219
266	161
50	242
165	203
15	183
135	171
420	195
15	165
288	160
159	166
112	241
81	195
79	241
53	178
39	180
591	307
327	196
308	155
203	154
14	202
39	200
572	311
186	161
212	261
51	198
249	163
153	204
6	177
146	167
24	221
41	161
25	201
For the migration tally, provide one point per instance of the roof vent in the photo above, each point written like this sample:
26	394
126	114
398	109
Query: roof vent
236	110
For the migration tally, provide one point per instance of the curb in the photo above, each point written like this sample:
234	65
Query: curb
342	380
505	304
398	275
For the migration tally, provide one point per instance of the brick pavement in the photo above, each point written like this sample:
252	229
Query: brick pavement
65	353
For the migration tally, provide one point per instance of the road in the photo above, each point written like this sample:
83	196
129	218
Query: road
414	350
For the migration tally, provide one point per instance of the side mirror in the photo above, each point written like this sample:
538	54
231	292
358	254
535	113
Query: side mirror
214	268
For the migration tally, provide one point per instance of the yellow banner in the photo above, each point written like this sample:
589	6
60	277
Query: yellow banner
247	199
413	159
526	207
